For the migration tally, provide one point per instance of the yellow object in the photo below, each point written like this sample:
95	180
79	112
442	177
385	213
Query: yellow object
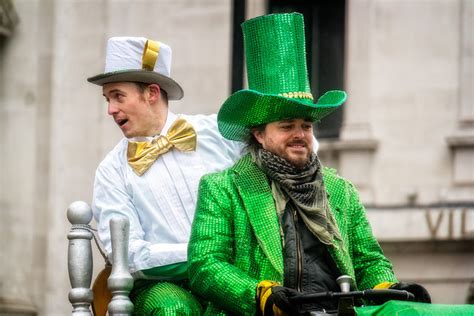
264	290
150	55
141	155
102	295
383	285
297	94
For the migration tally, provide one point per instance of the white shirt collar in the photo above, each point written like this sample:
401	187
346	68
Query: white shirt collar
169	120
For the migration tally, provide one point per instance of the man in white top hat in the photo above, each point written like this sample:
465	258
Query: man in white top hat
152	175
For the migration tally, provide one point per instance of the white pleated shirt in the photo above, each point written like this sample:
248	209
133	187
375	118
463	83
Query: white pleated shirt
160	204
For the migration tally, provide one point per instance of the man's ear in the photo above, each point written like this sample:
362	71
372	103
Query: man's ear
258	134
154	91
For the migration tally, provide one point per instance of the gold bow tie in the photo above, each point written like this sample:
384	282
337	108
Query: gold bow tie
141	155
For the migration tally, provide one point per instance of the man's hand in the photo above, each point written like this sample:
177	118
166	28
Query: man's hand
273	299
421	294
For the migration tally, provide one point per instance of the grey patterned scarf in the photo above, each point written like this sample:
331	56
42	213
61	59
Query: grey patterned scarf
305	187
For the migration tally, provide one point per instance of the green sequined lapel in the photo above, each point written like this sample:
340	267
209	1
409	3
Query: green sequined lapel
257	198
338	251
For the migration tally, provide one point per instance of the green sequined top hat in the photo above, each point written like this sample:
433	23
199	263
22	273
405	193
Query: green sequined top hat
277	78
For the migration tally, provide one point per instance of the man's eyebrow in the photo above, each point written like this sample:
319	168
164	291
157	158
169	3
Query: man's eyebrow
289	121
286	121
111	91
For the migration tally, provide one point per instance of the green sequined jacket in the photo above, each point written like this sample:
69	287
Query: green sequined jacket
236	242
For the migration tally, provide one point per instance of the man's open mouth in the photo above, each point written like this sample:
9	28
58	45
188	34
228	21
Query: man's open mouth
122	122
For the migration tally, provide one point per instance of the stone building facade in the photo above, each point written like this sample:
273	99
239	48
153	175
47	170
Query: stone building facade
406	136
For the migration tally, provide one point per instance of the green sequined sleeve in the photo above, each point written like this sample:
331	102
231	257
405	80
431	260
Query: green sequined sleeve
370	265
211	250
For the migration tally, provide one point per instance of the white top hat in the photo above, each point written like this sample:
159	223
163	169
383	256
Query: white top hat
138	59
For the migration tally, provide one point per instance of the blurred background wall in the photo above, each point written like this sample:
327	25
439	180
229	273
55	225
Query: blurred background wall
405	137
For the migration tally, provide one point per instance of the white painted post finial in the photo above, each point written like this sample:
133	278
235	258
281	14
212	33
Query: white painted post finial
79	215
344	282
120	282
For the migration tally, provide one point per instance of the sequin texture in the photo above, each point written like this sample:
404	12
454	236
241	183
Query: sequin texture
236	242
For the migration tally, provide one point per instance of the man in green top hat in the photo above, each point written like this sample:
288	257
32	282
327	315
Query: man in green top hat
277	223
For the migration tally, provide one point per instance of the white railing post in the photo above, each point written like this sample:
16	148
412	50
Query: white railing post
120	282
79	215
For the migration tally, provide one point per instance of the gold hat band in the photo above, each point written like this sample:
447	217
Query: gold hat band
297	95
150	55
